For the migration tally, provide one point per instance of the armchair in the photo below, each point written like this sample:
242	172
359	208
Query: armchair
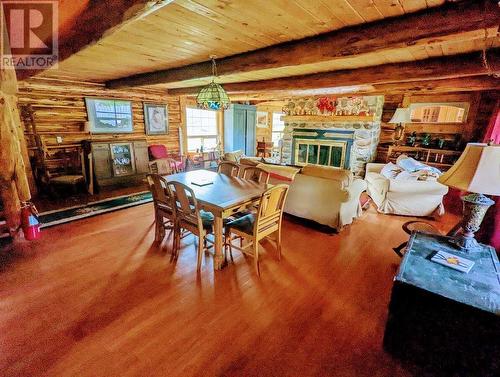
163	162
409	198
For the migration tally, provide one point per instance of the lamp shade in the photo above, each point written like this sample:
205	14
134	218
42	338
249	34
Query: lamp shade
402	115
477	170
212	97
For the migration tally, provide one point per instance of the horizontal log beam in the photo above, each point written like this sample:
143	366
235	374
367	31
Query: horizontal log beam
426	27
97	20
463	84
430	69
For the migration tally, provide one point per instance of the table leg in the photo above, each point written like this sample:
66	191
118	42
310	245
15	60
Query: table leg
219	256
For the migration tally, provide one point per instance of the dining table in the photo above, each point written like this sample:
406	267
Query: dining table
221	195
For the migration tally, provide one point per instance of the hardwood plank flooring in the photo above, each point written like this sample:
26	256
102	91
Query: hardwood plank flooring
97	298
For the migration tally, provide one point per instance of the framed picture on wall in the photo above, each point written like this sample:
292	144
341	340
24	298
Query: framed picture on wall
156	118
109	116
262	119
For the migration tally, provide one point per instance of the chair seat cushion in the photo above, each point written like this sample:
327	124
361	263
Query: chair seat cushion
67	179
207	218
243	224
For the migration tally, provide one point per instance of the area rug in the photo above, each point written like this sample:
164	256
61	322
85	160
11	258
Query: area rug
65	215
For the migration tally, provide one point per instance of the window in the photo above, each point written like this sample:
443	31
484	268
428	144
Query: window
201	128
109	116
277	128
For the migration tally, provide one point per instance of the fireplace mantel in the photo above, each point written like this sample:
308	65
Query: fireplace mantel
327	118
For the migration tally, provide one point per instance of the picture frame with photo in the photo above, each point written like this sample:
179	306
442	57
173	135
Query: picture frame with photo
262	119
109	116
156	118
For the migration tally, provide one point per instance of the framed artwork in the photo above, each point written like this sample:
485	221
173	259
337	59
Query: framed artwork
156	118
122	155
262	119
109	116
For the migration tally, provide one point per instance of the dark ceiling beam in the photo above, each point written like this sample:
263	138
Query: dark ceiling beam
446	67
460	84
424	27
95	21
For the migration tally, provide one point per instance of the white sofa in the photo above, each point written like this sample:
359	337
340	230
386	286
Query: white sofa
326	195
410	198
328	201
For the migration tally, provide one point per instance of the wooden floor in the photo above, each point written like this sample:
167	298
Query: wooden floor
97	298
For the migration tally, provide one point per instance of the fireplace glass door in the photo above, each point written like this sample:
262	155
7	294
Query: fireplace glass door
320	152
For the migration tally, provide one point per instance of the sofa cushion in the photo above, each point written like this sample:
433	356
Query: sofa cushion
250	161
280	172
233	156
390	170
328	172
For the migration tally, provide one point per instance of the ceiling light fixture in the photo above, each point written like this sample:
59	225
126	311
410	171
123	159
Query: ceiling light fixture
213	96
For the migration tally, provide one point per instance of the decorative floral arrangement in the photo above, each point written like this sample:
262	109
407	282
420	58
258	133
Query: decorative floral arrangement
326	105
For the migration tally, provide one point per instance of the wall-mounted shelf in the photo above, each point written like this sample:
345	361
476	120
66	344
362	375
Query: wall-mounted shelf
328	118
440	158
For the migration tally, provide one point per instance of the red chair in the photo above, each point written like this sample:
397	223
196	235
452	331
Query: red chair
159	151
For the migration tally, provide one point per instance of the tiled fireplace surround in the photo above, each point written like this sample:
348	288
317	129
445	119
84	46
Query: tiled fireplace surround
365	138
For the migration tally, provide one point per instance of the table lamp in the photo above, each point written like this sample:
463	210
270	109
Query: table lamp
478	172
401	116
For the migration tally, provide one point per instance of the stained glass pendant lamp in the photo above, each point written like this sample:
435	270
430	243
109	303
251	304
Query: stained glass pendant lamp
213	96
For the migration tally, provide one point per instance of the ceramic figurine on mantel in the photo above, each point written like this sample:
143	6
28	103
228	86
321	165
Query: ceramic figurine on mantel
352	106
328	106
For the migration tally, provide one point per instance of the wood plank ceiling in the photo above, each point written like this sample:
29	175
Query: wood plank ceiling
189	31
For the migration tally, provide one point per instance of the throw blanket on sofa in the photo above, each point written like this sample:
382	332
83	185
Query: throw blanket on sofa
413	166
279	172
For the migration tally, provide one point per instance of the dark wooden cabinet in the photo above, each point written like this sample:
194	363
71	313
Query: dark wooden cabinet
118	162
445	321
239	128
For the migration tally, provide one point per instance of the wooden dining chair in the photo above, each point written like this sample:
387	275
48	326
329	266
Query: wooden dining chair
191	218
255	227
163	200
228	168
256	174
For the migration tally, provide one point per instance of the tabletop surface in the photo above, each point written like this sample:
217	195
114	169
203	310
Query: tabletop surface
480	287
224	193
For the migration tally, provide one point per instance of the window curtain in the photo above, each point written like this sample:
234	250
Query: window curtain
493	130
490	229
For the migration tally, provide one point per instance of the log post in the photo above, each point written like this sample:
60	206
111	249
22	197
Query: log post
14	186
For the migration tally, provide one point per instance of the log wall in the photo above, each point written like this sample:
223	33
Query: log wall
480	109
57	110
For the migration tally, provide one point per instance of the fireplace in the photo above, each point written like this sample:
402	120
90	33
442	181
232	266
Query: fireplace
343	141
322	147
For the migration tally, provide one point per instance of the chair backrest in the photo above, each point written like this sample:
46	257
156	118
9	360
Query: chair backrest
66	161
228	168
162	195
256	174
270	210
164	166
186	207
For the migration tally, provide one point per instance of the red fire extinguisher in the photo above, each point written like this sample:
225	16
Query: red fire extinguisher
29	222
